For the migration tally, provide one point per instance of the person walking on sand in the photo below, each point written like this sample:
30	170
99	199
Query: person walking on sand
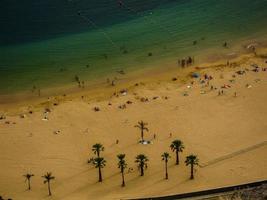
235	94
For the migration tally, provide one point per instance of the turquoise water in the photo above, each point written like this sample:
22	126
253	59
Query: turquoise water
94	40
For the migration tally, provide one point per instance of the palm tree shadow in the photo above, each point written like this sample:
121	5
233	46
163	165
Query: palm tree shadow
49	197
133	179
112	175
86	186
82	188
177	185
161	180
77	174
22	191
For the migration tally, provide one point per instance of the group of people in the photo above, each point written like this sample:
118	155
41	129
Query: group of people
184	62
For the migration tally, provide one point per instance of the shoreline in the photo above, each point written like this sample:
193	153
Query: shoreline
101	90
96	88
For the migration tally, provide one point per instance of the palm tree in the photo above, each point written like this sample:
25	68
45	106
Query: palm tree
48	177
142	160
191	160
165	157
177	146
142	126
122	166
97	148
28	179
99	163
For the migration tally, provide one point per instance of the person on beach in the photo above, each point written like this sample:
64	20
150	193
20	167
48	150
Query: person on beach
189	61
179	62
235	94
183	63
33	88
254	50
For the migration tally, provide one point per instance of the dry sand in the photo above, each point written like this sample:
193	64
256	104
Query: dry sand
211	126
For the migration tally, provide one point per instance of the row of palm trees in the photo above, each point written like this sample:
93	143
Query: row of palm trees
141	159
176	146
99	162
48	177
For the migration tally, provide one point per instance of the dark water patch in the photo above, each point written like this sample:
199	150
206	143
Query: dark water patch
31	20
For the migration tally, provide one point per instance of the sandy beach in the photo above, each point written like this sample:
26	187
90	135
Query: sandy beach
221	119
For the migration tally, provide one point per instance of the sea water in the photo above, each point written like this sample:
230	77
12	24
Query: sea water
47	43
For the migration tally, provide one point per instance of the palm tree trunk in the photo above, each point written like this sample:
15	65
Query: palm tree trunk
99	175
142	134
98	154
192	172
166	170
177	158
142	171
122	175
49	190
29	184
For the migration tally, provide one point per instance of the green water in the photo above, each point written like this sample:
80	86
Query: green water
167	31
